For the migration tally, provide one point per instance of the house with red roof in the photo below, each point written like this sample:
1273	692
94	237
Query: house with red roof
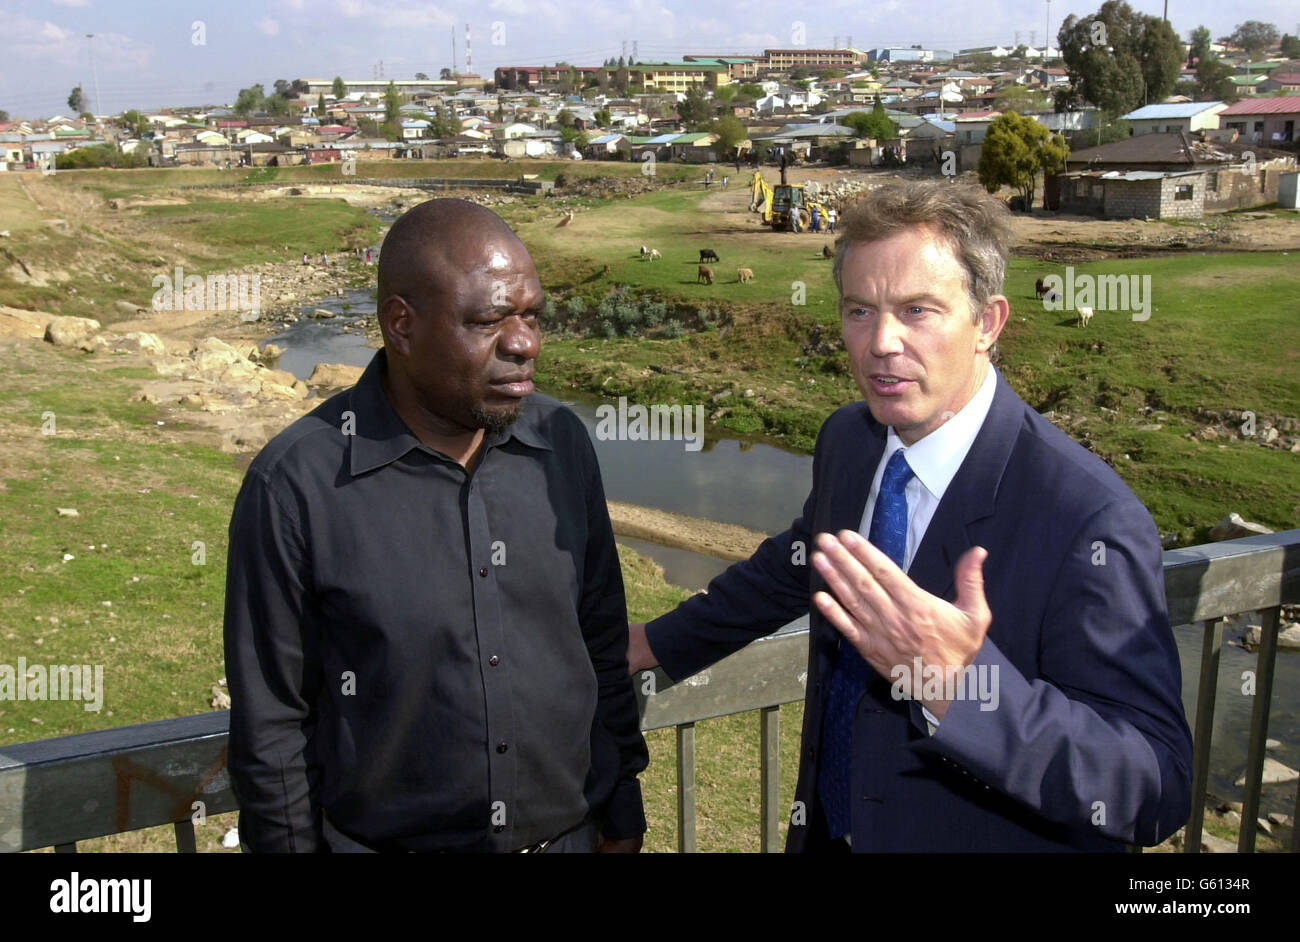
1263	120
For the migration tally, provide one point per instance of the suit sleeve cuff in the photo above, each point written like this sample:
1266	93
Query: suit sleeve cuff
624	814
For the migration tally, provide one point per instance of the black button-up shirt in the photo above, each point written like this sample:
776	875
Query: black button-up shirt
433	658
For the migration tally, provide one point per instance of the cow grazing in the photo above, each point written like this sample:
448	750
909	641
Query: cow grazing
706	275
708	255
827	252
1085	315
654	254
744	275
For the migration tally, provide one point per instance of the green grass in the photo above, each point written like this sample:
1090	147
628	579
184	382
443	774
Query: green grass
233	233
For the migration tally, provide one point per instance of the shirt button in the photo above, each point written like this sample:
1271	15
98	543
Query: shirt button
483	571
502	747
494	660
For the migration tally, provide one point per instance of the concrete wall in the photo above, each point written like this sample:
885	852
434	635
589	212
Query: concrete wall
1137	199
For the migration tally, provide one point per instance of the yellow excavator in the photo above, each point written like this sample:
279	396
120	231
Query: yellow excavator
787	207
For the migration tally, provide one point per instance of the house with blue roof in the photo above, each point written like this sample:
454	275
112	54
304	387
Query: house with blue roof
1186	117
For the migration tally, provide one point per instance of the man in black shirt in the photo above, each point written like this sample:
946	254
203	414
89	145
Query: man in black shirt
425	624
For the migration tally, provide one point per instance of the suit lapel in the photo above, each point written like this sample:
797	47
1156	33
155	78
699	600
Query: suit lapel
971	496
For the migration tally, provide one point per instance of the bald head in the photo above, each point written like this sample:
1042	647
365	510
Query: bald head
432	239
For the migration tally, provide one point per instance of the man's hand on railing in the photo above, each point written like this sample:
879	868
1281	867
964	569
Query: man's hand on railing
639	655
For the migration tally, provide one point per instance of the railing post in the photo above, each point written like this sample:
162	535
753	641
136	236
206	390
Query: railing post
1264	665
770	738
1211	645
686	788
185	843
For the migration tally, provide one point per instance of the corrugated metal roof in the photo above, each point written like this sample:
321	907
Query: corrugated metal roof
1187	110
1284	105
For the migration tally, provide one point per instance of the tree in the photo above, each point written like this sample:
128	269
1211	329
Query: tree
730	132
392	104
874	125
320	105
444	74
421	77
340	90
1118	59
750	90
1020	52
1290	46
1015	150
4	116
249	99
76	100
695	109
726	93
134	122
603	118
1017	98
1254	36
1199	46
1213	79
282	87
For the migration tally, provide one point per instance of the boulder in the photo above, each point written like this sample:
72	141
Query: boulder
139	341
1232	527
1288	637
71	331
335	375
1275	773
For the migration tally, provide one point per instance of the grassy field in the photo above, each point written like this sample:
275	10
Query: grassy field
133	599
83	263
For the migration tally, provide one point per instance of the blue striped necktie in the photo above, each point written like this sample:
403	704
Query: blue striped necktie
849	676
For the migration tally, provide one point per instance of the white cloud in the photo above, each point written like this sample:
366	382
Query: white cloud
269	26
79	4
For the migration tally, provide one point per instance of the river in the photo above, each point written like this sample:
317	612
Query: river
762	486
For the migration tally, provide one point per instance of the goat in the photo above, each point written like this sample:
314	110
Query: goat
744	275
644	251
1085	315
705	275
708	255
654	254
568	218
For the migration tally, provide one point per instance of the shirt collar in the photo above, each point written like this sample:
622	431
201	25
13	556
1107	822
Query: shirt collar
381	437
936	458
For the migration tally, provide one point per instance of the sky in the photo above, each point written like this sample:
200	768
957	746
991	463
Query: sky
148	54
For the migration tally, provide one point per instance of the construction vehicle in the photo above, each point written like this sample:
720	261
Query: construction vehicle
780	204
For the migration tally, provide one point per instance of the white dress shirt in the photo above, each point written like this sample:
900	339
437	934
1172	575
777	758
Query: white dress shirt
934	460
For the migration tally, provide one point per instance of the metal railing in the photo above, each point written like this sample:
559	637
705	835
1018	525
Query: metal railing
57	792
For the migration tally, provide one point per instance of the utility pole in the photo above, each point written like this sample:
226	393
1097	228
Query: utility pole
1047	31
94	72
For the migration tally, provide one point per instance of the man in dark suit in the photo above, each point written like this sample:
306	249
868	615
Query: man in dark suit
990	665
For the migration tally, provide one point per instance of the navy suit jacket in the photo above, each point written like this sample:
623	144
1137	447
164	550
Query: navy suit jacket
1088	747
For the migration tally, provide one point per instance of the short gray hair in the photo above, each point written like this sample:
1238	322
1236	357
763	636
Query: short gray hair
976	226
